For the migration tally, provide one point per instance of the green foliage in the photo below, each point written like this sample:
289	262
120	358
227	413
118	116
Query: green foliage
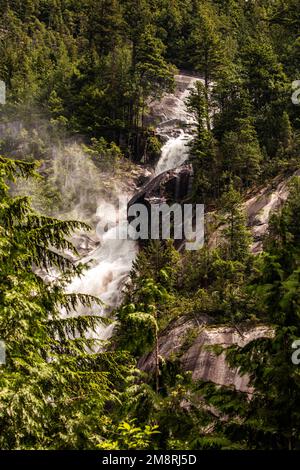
91	68
206	41
52	390
235	233
137	330
154	75
159	261
270	420
129	437
202	148
105	155
152	149
85	66
236	145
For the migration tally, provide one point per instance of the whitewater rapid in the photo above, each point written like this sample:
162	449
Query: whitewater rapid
110	264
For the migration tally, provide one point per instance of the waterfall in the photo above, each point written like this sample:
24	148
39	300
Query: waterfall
173	154
176	127
110	265
111	262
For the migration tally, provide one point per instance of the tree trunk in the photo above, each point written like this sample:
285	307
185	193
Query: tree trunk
156	362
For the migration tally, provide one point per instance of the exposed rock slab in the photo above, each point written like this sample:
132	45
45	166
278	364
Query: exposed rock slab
259	206
263	204
198	355
170	112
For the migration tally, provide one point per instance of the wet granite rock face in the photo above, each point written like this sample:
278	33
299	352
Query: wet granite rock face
170	186
193	341
171	109
259	206
263	204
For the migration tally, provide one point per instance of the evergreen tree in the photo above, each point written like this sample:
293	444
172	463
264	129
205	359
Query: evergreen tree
270	420
202	149
148	293
242	153
103	24
53	391
286	137
235	233
206	42
152	77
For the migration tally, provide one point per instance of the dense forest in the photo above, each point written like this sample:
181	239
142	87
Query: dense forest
87	71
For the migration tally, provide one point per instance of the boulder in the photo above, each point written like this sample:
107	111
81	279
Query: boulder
170	186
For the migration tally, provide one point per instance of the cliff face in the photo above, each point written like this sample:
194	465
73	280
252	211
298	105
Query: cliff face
262	204
259	206
193	341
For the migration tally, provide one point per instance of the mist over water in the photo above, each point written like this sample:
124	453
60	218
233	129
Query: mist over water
111	262
80	190
110	265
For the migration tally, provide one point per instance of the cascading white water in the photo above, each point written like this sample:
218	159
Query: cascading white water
111	262
174	153
176	126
